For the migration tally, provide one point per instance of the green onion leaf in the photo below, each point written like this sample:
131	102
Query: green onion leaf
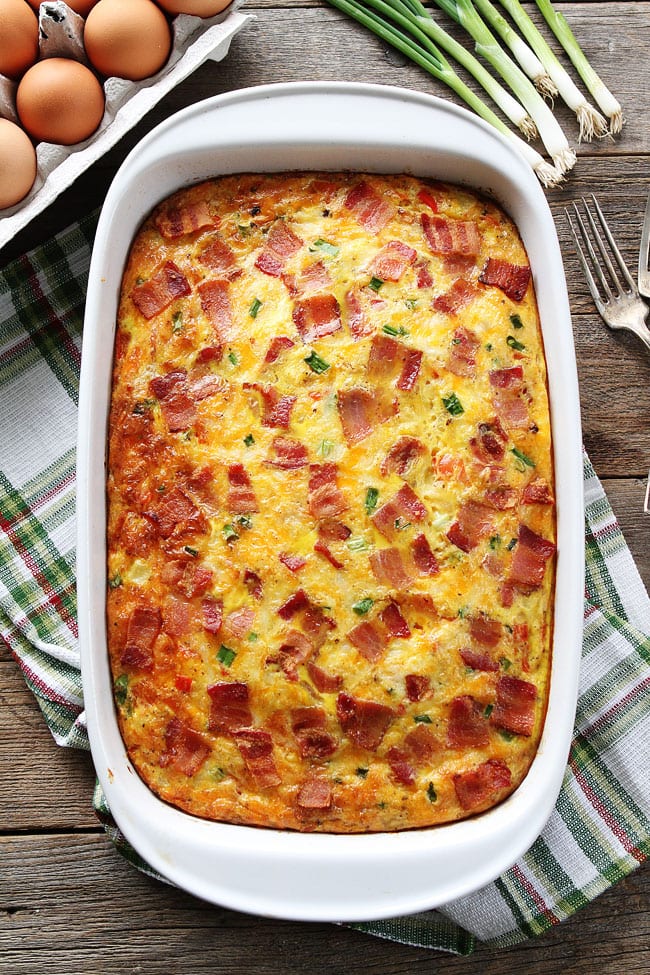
391	330
410	303
372	495
121	687
194	552
252	637
505	734
431	793
249	439
516	321
422	719
115	581
363	606
326	447
316	364
514	344
375	284
358	544
521	456
245	521
177	322
326	247
511	544
453	405
256	304
505	663
489	708
232	357
495	541
229	533
225	655
362	772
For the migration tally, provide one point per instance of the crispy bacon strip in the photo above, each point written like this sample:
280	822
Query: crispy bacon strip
294	563
417	686
532	552
185	749
364	722
460	295
220	258
462	352
478	660
397	627
229	707
369	639
369	209
212	613
241	496
289	454
277	345
281	244
322	681
515	706
176	513
215	302
360	410
256	748
277	408
473	523
489	444
388	569
446	236
400	765
356	317
141	633
156	294
172	391
239	622
537	491
512	279
173	221
423	558
325	499
399	511
480	786
508	397
315	793
468	727
392	260
486	631
308	725
402	455
410	370
316	316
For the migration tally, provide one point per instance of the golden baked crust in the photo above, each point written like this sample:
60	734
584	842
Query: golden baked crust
331	520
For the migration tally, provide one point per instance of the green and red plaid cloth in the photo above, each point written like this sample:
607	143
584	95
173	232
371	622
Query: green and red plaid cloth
600	828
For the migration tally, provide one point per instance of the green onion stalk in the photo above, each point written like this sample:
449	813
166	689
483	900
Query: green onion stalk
599	90
592	123
521	51
487	46
432	60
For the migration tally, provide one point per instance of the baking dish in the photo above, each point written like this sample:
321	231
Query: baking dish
326	127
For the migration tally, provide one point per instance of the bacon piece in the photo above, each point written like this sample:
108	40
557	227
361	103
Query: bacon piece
423	271
215	302
253	583
212	613
185	749
194	579
322	681
388	569
176	513
282	240
507	396
295	644
537	491
510	378
316	624
356	317
294	604
315	277
239	622
293	562
532	552
479	787
360	411
473	522
391	617
277	345
209	353
177	617
425	197
325	499
178	410
400	766
269	263
369	209
512	279
202	384
417	686
402	455
277	408
220	258
323	550
460	295
398	511
173	221
256	748
515	706
156	294
315	793
410	370
308	724
478	660
229	707
485	630
241	497
445	236
421	743
489	444
392	260
369	640
423	558
316	316
289	454
364	722
462	354
467	726
141	633
501	498
333	531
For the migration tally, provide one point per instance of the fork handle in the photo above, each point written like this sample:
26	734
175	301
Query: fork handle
644	334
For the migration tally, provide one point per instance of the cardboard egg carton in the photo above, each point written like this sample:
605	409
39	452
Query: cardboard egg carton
194	40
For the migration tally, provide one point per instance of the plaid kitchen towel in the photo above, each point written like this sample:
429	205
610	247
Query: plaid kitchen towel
600	828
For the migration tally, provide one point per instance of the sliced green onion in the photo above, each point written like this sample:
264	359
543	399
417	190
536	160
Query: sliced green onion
521	456
316	364
326	447
430	58
599	90
375	284
363	606
422	719
431	793
177	322
505	663
245	521
229	533
115	581
326	247
256	304
515	344
232	358
495	541
516	321
226	655
249	439
391	330
453	405
362	772
489	708
411	304
591	122
372	495
252	637
358	544
194	552
120	689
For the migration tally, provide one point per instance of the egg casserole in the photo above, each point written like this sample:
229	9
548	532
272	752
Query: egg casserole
331	521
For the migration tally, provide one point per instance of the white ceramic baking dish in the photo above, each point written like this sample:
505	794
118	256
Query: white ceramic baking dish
326	127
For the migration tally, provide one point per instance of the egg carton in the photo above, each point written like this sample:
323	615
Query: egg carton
194	40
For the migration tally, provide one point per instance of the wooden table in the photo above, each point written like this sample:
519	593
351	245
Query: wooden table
69	902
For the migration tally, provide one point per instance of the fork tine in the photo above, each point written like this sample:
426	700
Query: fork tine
617	254
593	287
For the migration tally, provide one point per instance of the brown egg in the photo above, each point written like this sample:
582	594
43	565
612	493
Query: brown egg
60	101
17	164
81	7
19	38
199	8
127	38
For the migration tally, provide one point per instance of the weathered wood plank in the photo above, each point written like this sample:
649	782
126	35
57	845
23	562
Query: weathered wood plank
90	912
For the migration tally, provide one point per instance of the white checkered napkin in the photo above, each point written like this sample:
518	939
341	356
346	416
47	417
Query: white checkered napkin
600	828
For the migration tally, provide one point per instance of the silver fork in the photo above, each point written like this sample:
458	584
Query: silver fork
644	255
612	287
